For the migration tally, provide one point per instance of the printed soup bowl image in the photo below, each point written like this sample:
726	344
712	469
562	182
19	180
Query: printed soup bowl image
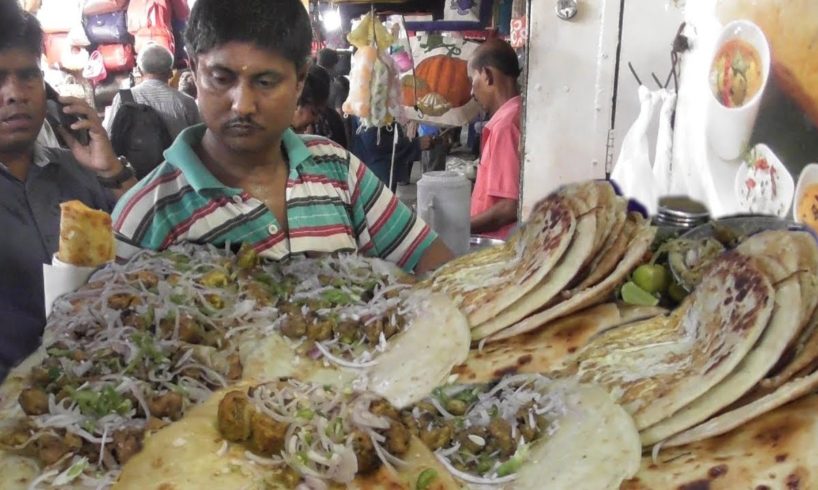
738	76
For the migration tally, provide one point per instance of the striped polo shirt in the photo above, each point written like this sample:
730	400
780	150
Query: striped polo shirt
334	204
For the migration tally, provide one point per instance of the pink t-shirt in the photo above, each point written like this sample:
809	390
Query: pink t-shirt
498	176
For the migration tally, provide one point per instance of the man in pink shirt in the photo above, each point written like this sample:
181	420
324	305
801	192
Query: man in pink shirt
494	70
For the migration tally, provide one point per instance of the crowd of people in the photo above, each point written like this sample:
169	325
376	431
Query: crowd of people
257	153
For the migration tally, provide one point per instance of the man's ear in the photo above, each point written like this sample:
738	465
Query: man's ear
490	75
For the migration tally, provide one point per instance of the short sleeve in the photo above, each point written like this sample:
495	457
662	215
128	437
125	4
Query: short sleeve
504	163
386	228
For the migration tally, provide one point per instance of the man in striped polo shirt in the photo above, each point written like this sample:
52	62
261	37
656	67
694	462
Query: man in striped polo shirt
244	176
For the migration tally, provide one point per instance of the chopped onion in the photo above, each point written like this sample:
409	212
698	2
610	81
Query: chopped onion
469	478
342	362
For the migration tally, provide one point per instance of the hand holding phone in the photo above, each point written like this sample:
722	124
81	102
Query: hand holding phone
57	118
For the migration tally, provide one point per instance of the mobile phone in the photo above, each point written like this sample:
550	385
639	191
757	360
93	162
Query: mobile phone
57	118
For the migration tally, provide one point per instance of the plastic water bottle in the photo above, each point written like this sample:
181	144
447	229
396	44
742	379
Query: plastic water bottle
443	203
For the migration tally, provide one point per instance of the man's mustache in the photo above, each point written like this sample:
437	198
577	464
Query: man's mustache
243	122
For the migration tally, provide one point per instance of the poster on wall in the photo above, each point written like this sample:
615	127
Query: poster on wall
436	88
745	133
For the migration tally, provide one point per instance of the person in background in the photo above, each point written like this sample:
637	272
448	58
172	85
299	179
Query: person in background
375	147
35	179
245	177
327	59
177	110
494	69
186	84
313	114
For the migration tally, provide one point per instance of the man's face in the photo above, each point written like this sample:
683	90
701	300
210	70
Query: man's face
246	95
480	87
22	100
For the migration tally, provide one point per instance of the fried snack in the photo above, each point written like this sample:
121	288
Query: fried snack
86	236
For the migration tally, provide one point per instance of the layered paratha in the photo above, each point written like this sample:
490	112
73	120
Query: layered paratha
774	451
573	301
656	367
549	348
486	282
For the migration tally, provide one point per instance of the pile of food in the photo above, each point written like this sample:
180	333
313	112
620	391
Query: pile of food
202	368
573	253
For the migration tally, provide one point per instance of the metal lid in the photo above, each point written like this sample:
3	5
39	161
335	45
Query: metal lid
682	208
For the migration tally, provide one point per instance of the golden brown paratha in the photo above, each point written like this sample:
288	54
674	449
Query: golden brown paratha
86	236
549	348
578	300
774	451
654	368
485	282
781	329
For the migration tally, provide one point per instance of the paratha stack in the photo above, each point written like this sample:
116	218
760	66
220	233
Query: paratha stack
735	349
577	247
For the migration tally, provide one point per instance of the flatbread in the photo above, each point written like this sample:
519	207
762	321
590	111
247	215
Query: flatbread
596	294
805	356
186	455
728	421
774	451
578	252
656	367
780	331
595	447
614	249
549	348
421	358
487	281
86	235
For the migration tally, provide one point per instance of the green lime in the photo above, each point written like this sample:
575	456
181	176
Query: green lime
653	278
634	295
676	292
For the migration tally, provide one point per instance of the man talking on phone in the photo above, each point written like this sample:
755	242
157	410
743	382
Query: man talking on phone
34	180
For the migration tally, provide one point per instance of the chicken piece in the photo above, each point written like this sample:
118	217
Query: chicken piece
319	331
500	432
383	408
214	279
294	327
126	444
147	279
235	416
130	318
373	331
215	301
435	437
398	438
267	435
247	257
189	330
474	439
34	401
154	424
123	301
346	330
40	376
168	405
51	448
456	407
259	293
368	460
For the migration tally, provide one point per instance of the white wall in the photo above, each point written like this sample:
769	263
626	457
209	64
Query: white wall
569	99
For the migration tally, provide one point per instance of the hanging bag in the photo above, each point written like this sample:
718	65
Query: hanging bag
157	29
94	70
117	57
110	28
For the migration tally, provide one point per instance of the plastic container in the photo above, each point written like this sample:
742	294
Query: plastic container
443	202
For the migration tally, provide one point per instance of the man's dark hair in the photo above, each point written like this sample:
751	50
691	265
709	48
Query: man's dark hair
281	26
316	87
19	29
338	92
327	58
497	54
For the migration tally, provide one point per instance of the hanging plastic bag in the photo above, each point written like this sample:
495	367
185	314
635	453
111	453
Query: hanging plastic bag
663	162
633	171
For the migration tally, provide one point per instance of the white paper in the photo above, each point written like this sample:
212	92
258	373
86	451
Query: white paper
60	278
